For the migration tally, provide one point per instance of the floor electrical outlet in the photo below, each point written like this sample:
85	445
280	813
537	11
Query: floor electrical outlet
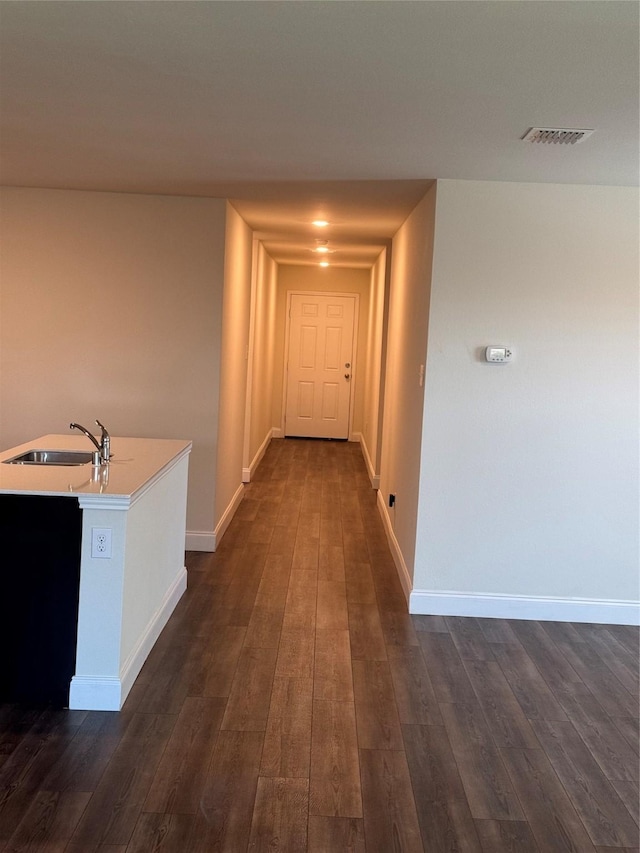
101	543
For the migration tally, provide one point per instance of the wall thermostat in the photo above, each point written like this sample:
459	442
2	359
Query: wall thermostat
498	355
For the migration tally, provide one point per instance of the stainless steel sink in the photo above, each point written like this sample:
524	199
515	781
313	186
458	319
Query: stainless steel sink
51	457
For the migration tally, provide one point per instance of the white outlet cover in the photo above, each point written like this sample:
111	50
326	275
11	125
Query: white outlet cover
101	543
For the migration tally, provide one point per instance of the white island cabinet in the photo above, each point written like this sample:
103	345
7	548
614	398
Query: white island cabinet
124	599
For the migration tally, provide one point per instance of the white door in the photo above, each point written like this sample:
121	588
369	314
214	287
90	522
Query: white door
320	365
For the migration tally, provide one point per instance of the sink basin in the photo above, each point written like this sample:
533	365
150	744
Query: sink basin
52	457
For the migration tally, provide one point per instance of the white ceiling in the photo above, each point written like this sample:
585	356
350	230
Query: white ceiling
296	109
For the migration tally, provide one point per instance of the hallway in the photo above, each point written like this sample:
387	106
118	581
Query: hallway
292	704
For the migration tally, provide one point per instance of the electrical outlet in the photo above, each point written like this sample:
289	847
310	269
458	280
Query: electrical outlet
101	543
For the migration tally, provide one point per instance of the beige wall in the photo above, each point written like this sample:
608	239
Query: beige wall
261	378
408	323
332	279
529	482
110	307
233	363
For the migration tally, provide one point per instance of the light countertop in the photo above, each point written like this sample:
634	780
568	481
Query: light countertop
135	464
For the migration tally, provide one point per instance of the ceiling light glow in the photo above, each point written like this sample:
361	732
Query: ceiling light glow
324	263
320	223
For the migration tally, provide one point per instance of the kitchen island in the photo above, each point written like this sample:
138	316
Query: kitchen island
122	591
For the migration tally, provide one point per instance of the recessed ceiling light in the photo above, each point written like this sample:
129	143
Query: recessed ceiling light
323	250
320	223
324	263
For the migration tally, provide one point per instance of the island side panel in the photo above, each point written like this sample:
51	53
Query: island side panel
155	577
96	683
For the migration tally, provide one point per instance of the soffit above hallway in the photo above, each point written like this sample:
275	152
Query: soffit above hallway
228	99
363	216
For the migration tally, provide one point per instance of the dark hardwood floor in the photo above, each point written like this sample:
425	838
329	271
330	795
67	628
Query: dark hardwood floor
292	704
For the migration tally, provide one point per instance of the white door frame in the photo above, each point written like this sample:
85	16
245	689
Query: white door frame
354	359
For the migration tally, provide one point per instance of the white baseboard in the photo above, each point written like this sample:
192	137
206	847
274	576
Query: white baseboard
375	478
498	606
200	540
394	546
247	473
95	693
277	432
355	436
228	514
107	693
138	656
502	606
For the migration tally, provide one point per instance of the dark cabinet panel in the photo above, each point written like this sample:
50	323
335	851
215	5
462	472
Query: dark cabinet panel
40	557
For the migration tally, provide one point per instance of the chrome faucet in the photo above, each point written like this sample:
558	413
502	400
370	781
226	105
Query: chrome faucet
103	446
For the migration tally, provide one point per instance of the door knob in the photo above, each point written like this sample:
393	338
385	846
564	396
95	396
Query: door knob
347	376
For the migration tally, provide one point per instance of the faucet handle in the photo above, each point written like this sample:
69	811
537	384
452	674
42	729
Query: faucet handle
102	427
105	449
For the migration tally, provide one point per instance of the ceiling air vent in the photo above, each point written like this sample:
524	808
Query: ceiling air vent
562	135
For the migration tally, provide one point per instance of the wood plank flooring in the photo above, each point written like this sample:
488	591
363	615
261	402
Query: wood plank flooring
292	704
